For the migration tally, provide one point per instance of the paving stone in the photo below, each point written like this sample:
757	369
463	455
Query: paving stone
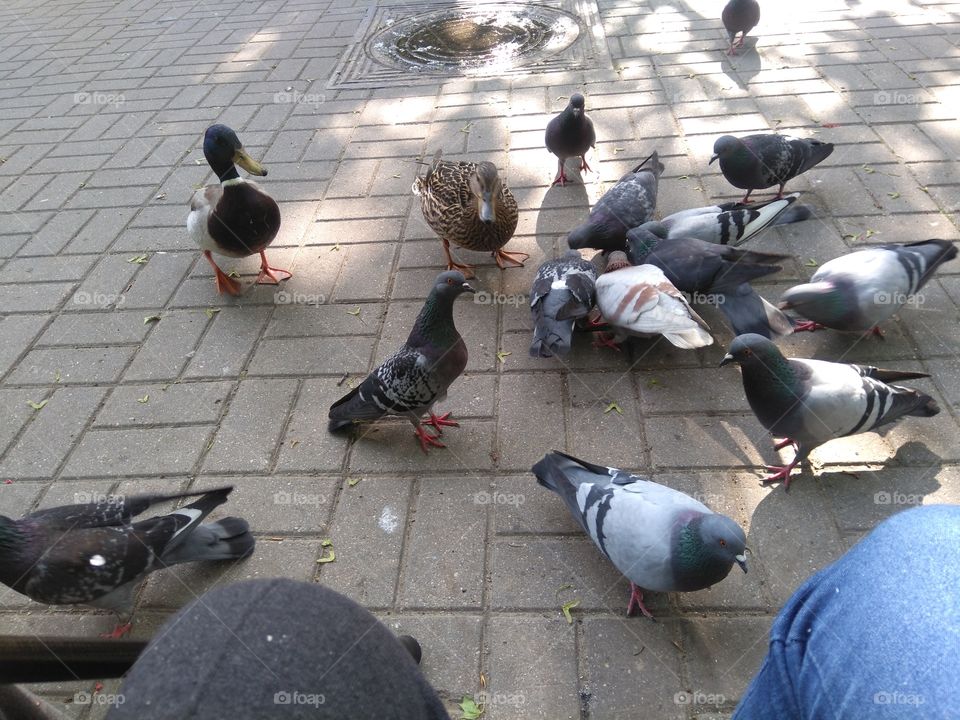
74	365
169	347
95	329
195	402
367	535
16	333
33	297
707	441
518	447
229	341
722	655
145	451
251	429
307	446
311	355
278	505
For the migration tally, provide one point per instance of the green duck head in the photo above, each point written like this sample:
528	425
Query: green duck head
224	151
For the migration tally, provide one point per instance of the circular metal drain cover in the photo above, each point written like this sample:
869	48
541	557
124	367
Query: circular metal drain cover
481	40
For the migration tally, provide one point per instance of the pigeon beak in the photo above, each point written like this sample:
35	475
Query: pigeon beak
741	561
712	159
467	287
727	359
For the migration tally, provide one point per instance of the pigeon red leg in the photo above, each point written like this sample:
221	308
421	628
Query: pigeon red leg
808	326
440	422
603	340
746	198
783	443
780	192
426	440
271	275
636	602
225	283
583	164
561	175
781	474
876	331
118	632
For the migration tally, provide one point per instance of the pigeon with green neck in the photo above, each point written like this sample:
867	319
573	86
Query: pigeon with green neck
810	402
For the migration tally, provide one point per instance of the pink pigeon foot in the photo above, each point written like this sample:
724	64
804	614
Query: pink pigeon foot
440	421
427	440
808	326
636	602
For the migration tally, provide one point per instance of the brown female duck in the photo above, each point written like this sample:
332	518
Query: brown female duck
469	205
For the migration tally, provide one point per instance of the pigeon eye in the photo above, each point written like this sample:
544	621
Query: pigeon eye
723	543
748	352
449	281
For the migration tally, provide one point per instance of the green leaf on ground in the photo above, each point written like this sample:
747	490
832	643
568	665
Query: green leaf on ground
144	400
151	318
210	311
327	555
37	405
811	263
502	356
138	259
567	607
469	710
613	406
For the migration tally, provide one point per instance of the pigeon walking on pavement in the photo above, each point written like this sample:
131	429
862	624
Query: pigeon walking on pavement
735	223
629	203
810	402
563	292
570	134
640	300
756	162
416	376
719	273
858	291
660	538
740	16
94	554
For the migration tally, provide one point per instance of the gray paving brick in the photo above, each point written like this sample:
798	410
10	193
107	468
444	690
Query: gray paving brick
367	535
74	365
518	448
142	451
51	434
16	333
195	402
722	654
307	445
94	328
228	343
33	297
169	347
312	355
280	505
250	431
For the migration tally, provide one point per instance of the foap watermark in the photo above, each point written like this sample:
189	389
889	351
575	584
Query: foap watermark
699	298
898	298
98	299
498	498
99	98
82	498
494	298
295	97
295	498
294	697
285	297
895	697
485	697
698	697
896	97
87	698
897	498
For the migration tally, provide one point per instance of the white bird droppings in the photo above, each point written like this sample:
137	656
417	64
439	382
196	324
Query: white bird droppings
388	520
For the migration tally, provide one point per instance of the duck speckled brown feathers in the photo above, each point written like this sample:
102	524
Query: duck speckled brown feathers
469	205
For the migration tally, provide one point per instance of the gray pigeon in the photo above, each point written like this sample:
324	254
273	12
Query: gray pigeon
629	203
740	16
760	161
810	402
734	223
660	538
563	292
860	290
93	554
416	376
570	134
719	273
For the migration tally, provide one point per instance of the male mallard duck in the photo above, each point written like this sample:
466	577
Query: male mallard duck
468	204
235	218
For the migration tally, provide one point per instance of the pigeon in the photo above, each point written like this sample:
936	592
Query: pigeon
640	300
809	402
570	134
629	203
734	223
718	273
660	538
740	16
760	161
860	290
416	376
93	554
563	292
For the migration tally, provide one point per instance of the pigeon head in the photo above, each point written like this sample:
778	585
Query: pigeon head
601	231
485	184
725	147
617	261
707	546
576	104
223	150
641	242
752	350
451	284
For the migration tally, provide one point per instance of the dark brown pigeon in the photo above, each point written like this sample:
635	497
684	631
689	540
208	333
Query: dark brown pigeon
570	134
740	16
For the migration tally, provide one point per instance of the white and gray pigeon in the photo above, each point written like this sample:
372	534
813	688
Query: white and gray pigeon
563	292
858	291
660	538
631	202
416	377
94	554
760	161
810	402
570	134
720	274
641	301
735	223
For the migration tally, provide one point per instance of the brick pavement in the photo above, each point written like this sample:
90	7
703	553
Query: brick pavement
103	109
